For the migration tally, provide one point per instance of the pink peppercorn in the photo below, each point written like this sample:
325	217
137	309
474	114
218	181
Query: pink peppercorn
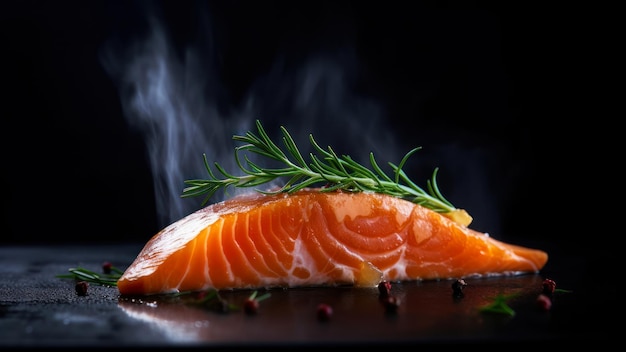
548	287
544	302
81	288
251	306
384	288
324	312
106	267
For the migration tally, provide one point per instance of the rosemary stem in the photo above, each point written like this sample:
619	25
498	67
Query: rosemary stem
336	172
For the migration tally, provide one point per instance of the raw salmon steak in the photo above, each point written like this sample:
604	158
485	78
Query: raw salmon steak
313	238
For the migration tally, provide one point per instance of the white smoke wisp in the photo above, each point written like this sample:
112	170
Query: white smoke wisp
171	99
317	98
164	97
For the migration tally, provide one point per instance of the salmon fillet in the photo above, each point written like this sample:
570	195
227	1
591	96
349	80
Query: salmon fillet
313	238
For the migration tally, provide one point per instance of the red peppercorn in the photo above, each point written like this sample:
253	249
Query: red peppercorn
81	288
384	288
324	312
548	287
251	306
106	267
544	302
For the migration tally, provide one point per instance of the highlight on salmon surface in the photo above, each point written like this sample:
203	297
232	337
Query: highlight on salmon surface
314	238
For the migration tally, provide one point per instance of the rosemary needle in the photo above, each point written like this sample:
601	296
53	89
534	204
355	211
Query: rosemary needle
329	169
90	276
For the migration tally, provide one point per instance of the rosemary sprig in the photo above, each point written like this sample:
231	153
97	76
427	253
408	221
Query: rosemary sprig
334	171
82	274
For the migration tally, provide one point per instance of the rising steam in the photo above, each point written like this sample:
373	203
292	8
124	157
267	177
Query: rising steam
172	99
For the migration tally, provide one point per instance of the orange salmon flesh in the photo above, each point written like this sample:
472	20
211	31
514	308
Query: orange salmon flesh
313	238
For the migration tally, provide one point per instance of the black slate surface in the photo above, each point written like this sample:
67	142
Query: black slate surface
37	309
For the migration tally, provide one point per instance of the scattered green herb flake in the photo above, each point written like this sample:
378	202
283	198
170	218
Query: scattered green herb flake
560	290
500	305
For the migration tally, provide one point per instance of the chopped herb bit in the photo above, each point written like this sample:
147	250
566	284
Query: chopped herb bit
499	305
560	290
209	299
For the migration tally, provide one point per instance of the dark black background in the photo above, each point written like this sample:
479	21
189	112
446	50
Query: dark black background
513	82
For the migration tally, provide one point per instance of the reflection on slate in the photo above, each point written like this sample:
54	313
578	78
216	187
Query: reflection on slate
39	309
428	311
